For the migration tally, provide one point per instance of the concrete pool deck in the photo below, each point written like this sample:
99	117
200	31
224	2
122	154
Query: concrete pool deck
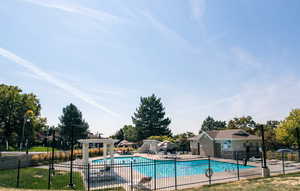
123	174
167	183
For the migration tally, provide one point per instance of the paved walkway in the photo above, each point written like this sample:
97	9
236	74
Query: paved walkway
20	153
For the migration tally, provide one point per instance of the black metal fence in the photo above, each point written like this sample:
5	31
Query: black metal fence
143	173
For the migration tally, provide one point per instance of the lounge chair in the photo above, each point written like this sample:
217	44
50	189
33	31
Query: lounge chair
102	174
253	159
273	162
171	156
161	155
143	184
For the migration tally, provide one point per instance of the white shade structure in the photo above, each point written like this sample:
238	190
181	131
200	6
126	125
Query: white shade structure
108	148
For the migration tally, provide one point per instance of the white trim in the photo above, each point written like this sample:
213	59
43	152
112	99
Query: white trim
239	139
107	141
207	135
198	137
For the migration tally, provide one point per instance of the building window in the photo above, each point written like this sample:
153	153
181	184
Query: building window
227	145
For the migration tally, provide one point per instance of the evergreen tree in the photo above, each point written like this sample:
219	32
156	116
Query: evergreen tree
149	118
210	124
72	118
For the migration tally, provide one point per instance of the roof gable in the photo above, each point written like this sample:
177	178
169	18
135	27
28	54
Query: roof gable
231	134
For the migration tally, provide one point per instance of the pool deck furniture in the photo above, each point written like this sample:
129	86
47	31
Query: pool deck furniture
273	162
102	174
143	184
253	159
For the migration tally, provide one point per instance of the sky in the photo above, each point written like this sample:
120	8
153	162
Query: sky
225	59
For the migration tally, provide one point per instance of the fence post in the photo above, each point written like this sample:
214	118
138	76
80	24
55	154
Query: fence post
282	158
88	176
53	145
71	185
298	142
18	173
131	177
175	172
209	177
49	176
237	165
154	174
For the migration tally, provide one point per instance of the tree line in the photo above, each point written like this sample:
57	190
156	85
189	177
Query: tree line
149	122
21	120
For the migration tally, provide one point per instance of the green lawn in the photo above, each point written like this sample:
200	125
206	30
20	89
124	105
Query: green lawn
41	149
37	178
290	182
32	149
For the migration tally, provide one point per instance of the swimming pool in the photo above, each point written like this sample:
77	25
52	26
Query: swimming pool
166	168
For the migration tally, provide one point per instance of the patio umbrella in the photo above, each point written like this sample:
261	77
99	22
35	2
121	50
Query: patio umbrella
284	151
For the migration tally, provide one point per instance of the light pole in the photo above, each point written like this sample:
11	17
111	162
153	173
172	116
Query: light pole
265	169
298	141
23	127
71	165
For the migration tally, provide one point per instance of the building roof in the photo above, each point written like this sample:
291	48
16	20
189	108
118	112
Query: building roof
231	134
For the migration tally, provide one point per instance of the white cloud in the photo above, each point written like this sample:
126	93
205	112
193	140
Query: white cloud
272	100
266	101
39	73
77	9
198	8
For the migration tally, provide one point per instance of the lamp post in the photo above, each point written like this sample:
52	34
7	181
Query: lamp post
298	141
23	127
265	169
71	165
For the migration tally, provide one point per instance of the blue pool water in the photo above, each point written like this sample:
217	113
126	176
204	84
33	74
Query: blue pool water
166	168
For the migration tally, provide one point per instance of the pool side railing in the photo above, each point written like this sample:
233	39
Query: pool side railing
163	174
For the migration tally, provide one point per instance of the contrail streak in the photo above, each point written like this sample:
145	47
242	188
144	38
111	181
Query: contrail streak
54	81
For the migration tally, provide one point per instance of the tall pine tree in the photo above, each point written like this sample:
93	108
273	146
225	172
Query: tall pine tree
72	118
149	118
210	124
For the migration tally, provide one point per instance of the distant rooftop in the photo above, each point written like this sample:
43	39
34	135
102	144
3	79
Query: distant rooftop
231	134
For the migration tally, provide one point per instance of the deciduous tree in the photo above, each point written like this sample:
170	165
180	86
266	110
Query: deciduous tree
246	123
286	131
18	109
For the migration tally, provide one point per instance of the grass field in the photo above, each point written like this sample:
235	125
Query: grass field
37	178
41	149
290	182
32	149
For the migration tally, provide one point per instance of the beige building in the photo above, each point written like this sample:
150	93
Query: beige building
225	144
